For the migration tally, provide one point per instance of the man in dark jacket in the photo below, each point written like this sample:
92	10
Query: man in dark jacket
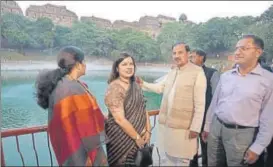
262	61
213	76
269	159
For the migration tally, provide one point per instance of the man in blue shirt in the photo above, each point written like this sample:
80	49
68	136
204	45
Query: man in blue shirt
239	121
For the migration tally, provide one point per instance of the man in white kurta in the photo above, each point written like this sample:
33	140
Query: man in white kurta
182	110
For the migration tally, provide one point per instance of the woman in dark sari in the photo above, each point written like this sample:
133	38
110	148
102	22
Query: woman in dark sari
128	125
75	121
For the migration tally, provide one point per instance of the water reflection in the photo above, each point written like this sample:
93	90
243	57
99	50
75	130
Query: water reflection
19	108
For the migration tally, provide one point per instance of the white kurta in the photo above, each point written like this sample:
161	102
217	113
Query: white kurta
174	146
174	142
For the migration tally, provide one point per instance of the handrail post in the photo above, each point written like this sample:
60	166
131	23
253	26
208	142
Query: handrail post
2	155
39	129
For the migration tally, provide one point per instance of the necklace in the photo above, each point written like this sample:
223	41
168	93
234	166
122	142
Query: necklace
124	81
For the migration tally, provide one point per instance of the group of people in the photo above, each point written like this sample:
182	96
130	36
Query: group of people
77	127
228	113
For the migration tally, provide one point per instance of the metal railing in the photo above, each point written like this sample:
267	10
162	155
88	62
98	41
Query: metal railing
39	129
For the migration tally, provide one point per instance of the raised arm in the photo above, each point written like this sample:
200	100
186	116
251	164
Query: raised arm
157	87
114	100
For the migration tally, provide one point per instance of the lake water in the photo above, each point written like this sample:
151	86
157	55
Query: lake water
19	110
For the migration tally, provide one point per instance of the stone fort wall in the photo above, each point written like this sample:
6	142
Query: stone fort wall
60	15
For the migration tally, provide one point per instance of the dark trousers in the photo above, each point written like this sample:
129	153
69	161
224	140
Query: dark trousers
194	162
269	159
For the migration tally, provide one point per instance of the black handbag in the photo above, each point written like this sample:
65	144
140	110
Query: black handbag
144	156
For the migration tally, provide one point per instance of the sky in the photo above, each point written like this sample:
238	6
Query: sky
196	11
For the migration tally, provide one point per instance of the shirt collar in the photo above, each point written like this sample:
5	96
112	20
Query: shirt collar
257	70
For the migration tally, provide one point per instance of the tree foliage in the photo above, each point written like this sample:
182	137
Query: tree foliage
216	36
15	29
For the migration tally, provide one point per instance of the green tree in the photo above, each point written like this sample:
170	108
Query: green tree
215	36
42	31
265	31
143	47
14	29
183	17
60	35
176	32
267	16
94	41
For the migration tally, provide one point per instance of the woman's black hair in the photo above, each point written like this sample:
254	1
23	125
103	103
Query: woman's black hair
47	81
115	74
